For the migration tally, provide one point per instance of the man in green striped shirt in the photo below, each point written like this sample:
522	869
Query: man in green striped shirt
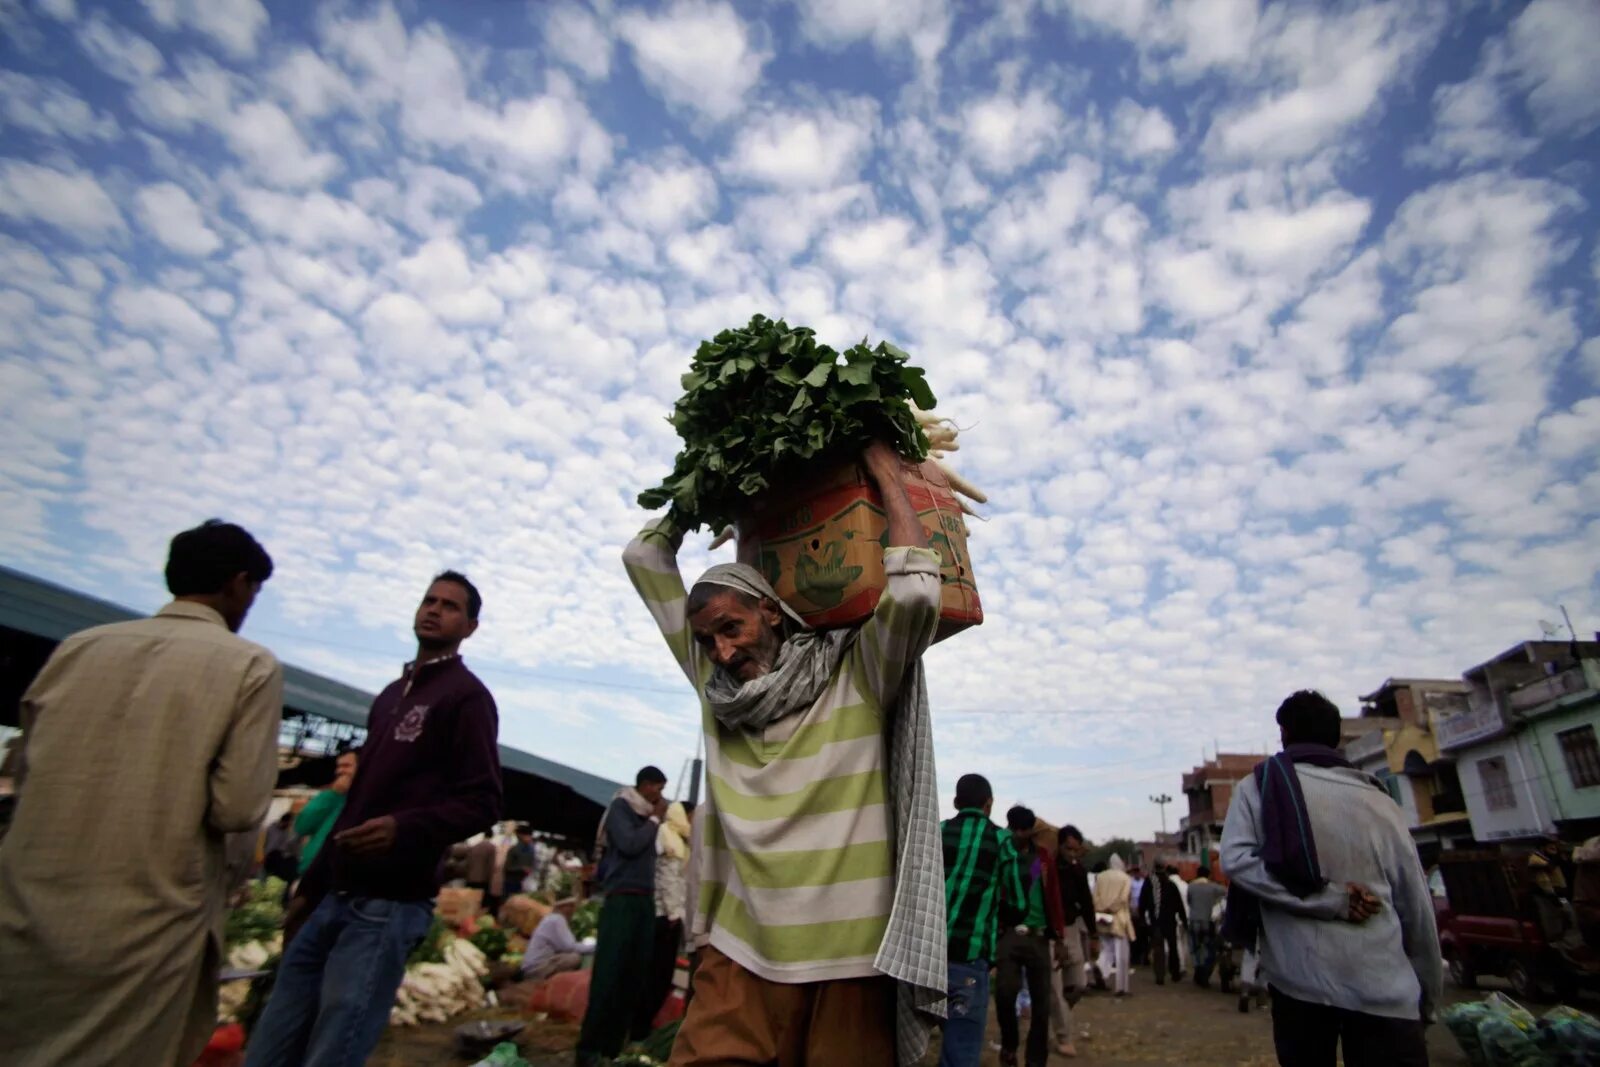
797	869
983	889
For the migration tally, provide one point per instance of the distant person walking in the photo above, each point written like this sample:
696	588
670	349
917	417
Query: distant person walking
627	876
1113	895
1080	941
1164	916
672	860
983	893
1321	860
1025	953
144	743
1205	899
430	776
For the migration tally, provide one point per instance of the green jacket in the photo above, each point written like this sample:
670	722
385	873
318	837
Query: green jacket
314	822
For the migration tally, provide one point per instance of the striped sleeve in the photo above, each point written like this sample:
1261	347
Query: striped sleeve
902	627
1013	898
651	560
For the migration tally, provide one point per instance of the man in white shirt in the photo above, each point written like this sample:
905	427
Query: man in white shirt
552	948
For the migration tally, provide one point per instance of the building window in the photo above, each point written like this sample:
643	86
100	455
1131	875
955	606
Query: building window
1582	756
1497	791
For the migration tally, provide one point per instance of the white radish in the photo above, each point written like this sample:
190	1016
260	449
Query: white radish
961	485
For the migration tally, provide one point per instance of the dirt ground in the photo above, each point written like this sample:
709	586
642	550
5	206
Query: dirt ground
1172	1024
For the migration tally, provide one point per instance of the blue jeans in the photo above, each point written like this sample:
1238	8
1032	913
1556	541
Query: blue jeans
968	1008
337	983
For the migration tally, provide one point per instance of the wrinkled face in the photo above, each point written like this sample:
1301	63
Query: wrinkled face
442	620
743	639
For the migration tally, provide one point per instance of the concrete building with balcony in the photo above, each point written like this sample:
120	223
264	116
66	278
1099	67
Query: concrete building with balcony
1525	742
1401	749
1209	788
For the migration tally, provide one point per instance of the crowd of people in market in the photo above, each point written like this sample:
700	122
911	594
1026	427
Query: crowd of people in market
830	914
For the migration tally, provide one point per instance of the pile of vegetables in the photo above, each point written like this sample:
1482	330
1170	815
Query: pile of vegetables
259	918
490	939
766	401
435	992
431	948
585	919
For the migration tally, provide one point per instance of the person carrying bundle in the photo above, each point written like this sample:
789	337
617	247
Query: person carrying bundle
822	878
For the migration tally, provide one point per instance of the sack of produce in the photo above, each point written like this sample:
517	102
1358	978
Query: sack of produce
772	424
1569	1037
455	904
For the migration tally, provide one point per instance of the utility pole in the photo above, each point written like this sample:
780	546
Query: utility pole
1161	801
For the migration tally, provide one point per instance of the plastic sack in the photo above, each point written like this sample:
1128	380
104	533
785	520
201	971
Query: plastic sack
1568	1037
505	1054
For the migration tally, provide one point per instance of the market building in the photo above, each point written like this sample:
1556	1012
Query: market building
1525	742
1400	748
321	717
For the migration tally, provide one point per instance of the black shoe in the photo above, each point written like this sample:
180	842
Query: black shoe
1244	1005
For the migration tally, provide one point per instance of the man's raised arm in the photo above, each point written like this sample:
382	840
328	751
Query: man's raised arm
902	626
651	560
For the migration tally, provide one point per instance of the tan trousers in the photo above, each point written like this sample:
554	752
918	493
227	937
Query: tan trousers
737	1019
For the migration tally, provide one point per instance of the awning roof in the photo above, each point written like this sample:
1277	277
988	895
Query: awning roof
54	612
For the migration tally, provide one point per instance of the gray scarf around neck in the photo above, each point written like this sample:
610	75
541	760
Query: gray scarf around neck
914	950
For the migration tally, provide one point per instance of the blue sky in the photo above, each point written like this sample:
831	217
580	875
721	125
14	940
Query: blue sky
1273	328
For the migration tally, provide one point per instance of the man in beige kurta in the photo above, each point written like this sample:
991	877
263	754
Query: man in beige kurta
145	743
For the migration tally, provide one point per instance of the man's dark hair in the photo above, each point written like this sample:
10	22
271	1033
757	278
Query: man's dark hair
704	593
1309	718
1021	818
648	775
1068	831
689	806
973	791
474	598
203	560
1203	872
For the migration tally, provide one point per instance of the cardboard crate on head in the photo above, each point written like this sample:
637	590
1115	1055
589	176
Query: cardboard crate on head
821	546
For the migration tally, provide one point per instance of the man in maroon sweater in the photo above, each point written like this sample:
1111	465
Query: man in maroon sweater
429	776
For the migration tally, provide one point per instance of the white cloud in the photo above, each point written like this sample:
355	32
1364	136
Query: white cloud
398	328
316	220
1472	122
1005	132
70	200
804	149
577	38
122	54
61	10
663	198
697	54
163	316
266	140
170	214
50	107
1555	52
1142	131
233	24
1336	67
923	26
310	84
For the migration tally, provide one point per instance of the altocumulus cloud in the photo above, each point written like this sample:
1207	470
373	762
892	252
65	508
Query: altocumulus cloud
1275	331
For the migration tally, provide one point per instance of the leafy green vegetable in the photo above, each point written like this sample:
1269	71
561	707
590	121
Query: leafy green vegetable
765	403
431	948
585	918
259	917
491	941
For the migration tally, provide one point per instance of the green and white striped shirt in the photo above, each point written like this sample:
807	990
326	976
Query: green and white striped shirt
797	864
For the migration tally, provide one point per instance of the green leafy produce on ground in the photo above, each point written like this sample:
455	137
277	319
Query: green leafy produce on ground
431	948
259	917
767	401
586	918
491	941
